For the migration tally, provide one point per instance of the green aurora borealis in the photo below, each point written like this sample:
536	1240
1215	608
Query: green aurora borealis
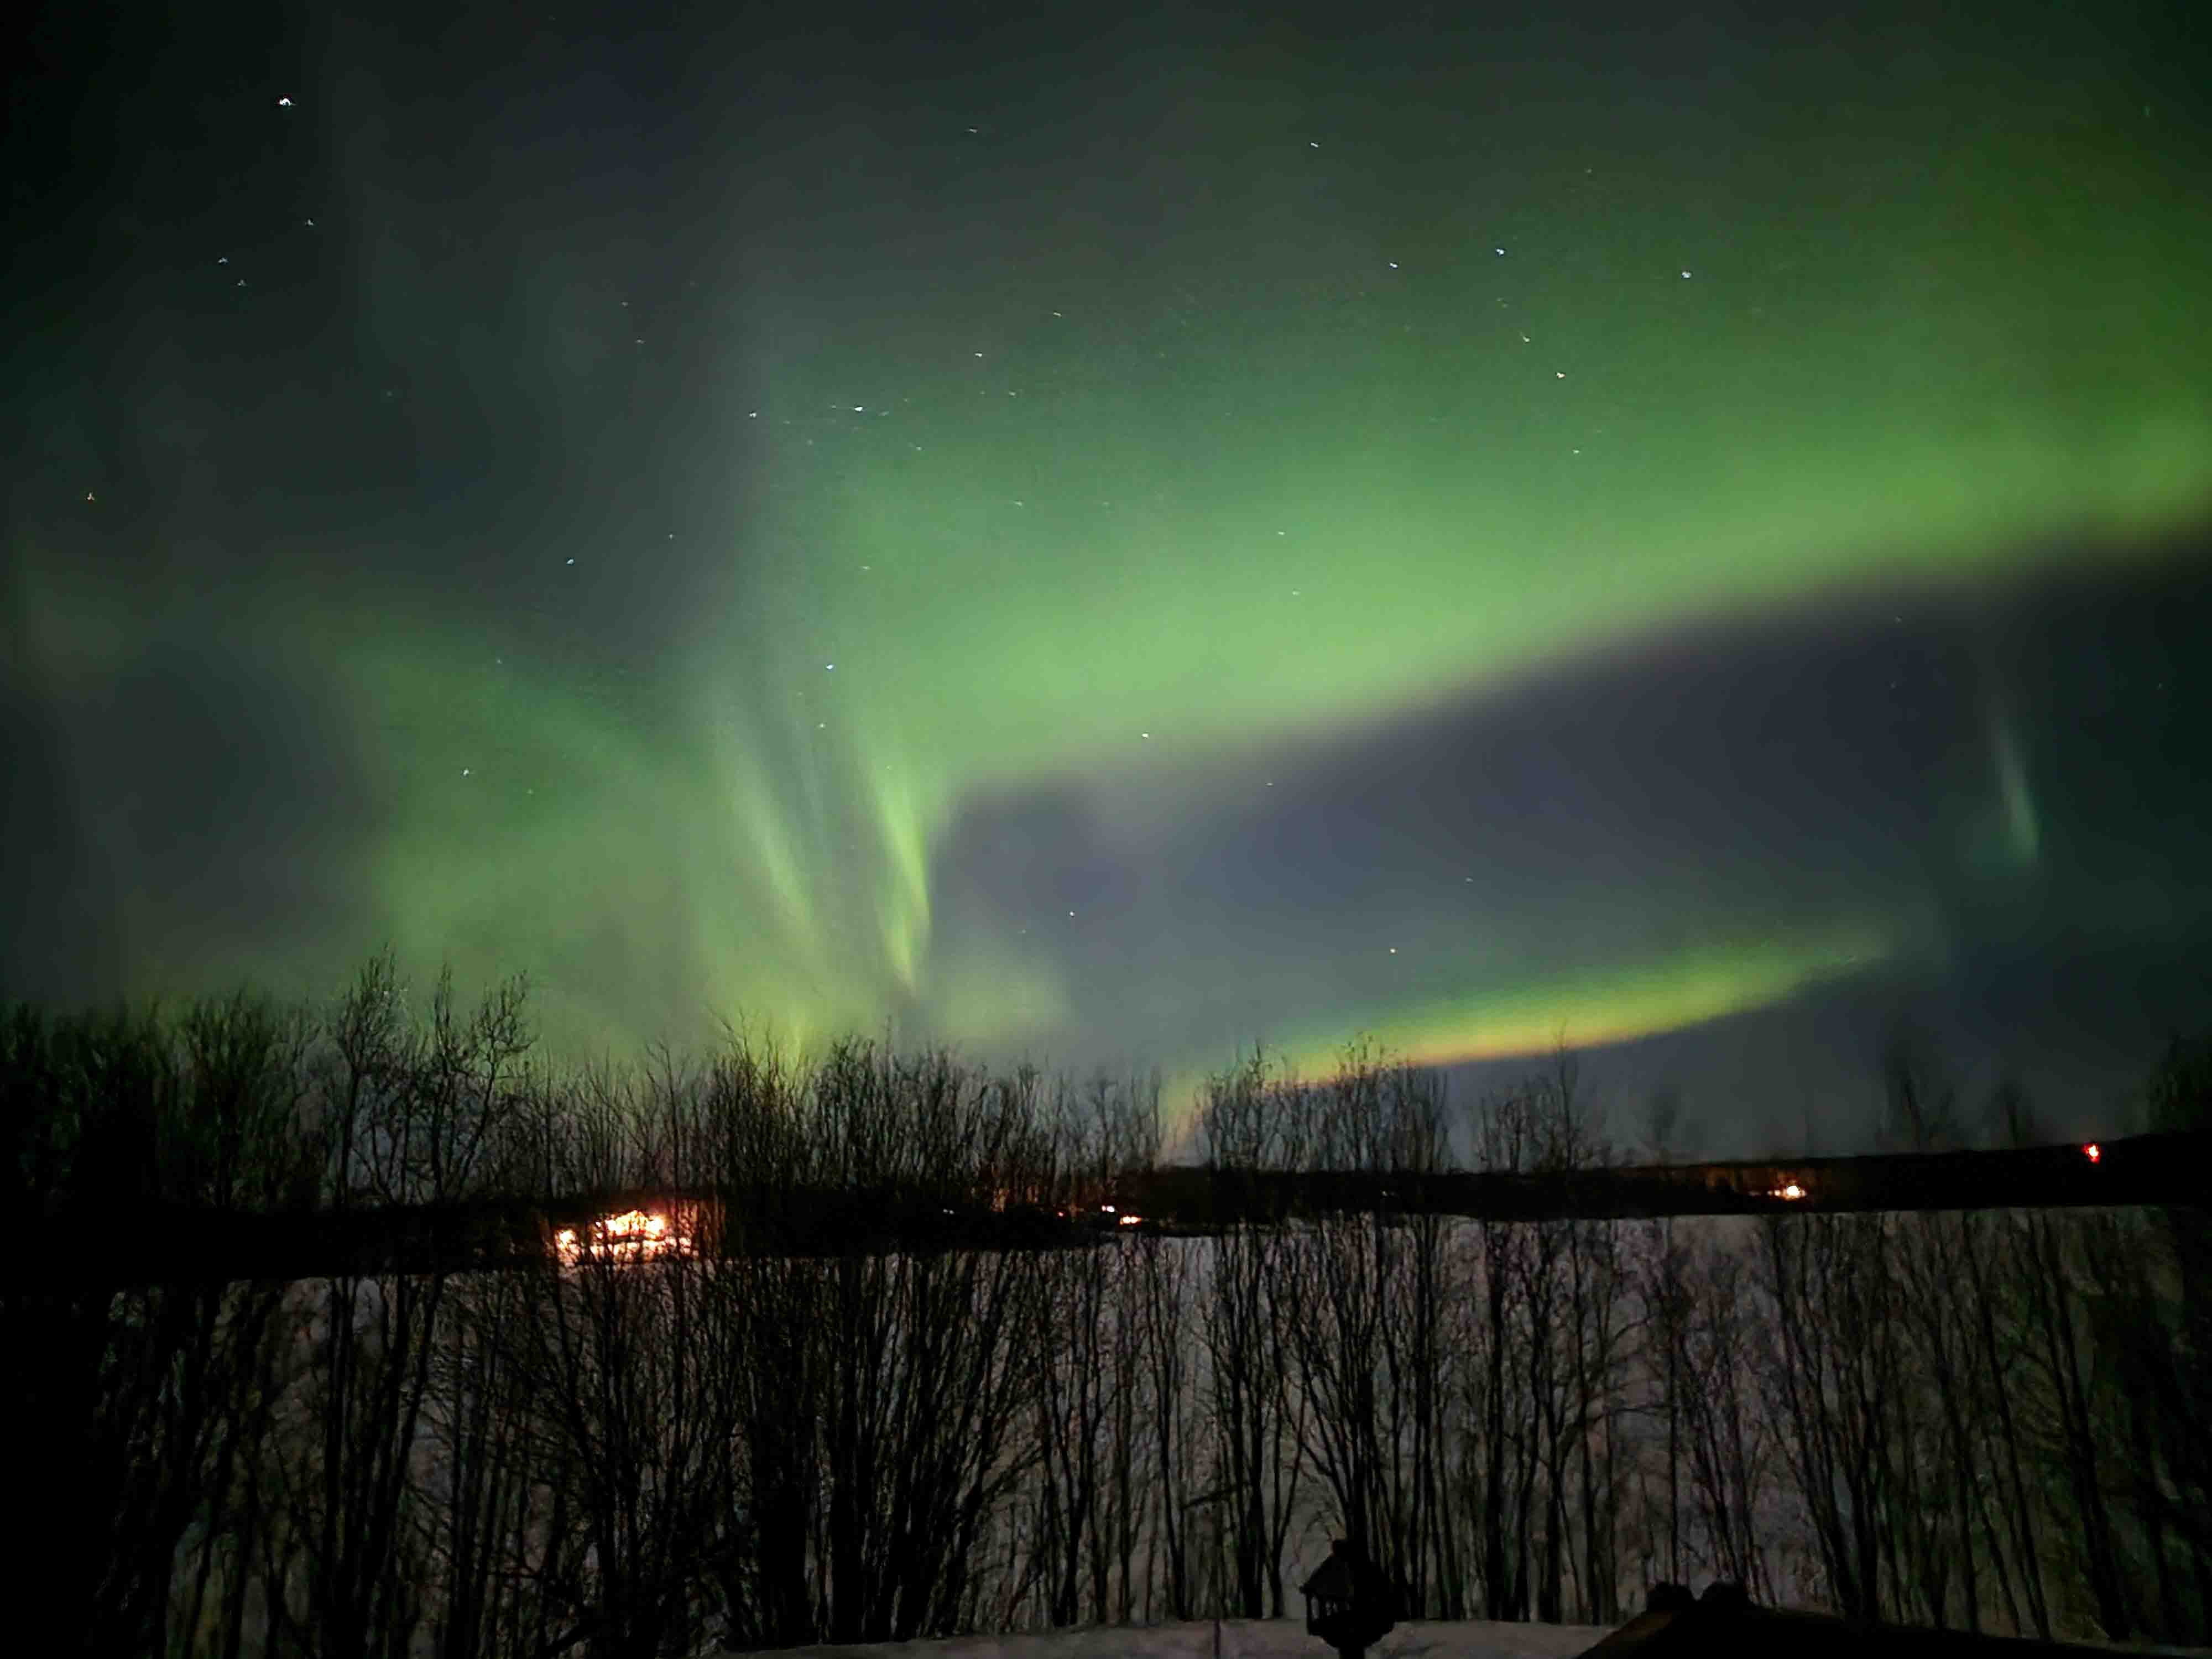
1131	423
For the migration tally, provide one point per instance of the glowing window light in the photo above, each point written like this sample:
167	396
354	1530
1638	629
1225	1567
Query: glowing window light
631	1236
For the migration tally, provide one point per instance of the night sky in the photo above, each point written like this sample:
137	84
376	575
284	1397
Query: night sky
1111	540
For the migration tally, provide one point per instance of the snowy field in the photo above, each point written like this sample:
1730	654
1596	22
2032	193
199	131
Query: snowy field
1287	1638
1241	1638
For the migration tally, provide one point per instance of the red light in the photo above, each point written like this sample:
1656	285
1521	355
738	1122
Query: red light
2092	1151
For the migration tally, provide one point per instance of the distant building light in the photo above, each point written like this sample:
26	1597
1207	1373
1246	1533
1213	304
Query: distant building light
2092	1151
632	1236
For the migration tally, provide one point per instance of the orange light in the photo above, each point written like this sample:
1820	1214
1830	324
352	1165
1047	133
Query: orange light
2092	1151
632	1236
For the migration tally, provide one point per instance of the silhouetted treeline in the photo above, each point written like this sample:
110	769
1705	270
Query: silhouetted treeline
2000	1420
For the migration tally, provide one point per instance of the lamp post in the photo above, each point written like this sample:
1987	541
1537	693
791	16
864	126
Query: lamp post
1210	1501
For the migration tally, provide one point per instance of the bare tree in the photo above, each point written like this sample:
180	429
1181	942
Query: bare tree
1253	1119
1498	1444
141	1405
1831	1360
411	1118
1091	1354
1724	1435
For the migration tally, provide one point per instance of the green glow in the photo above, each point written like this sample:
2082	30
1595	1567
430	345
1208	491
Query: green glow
1586	1009
2023	831
1311	512
1146	577
1139	521
1618	1005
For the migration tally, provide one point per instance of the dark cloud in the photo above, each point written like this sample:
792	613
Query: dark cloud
1842	760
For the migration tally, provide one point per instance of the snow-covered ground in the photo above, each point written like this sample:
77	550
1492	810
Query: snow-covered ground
1241	1638
1284	1638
